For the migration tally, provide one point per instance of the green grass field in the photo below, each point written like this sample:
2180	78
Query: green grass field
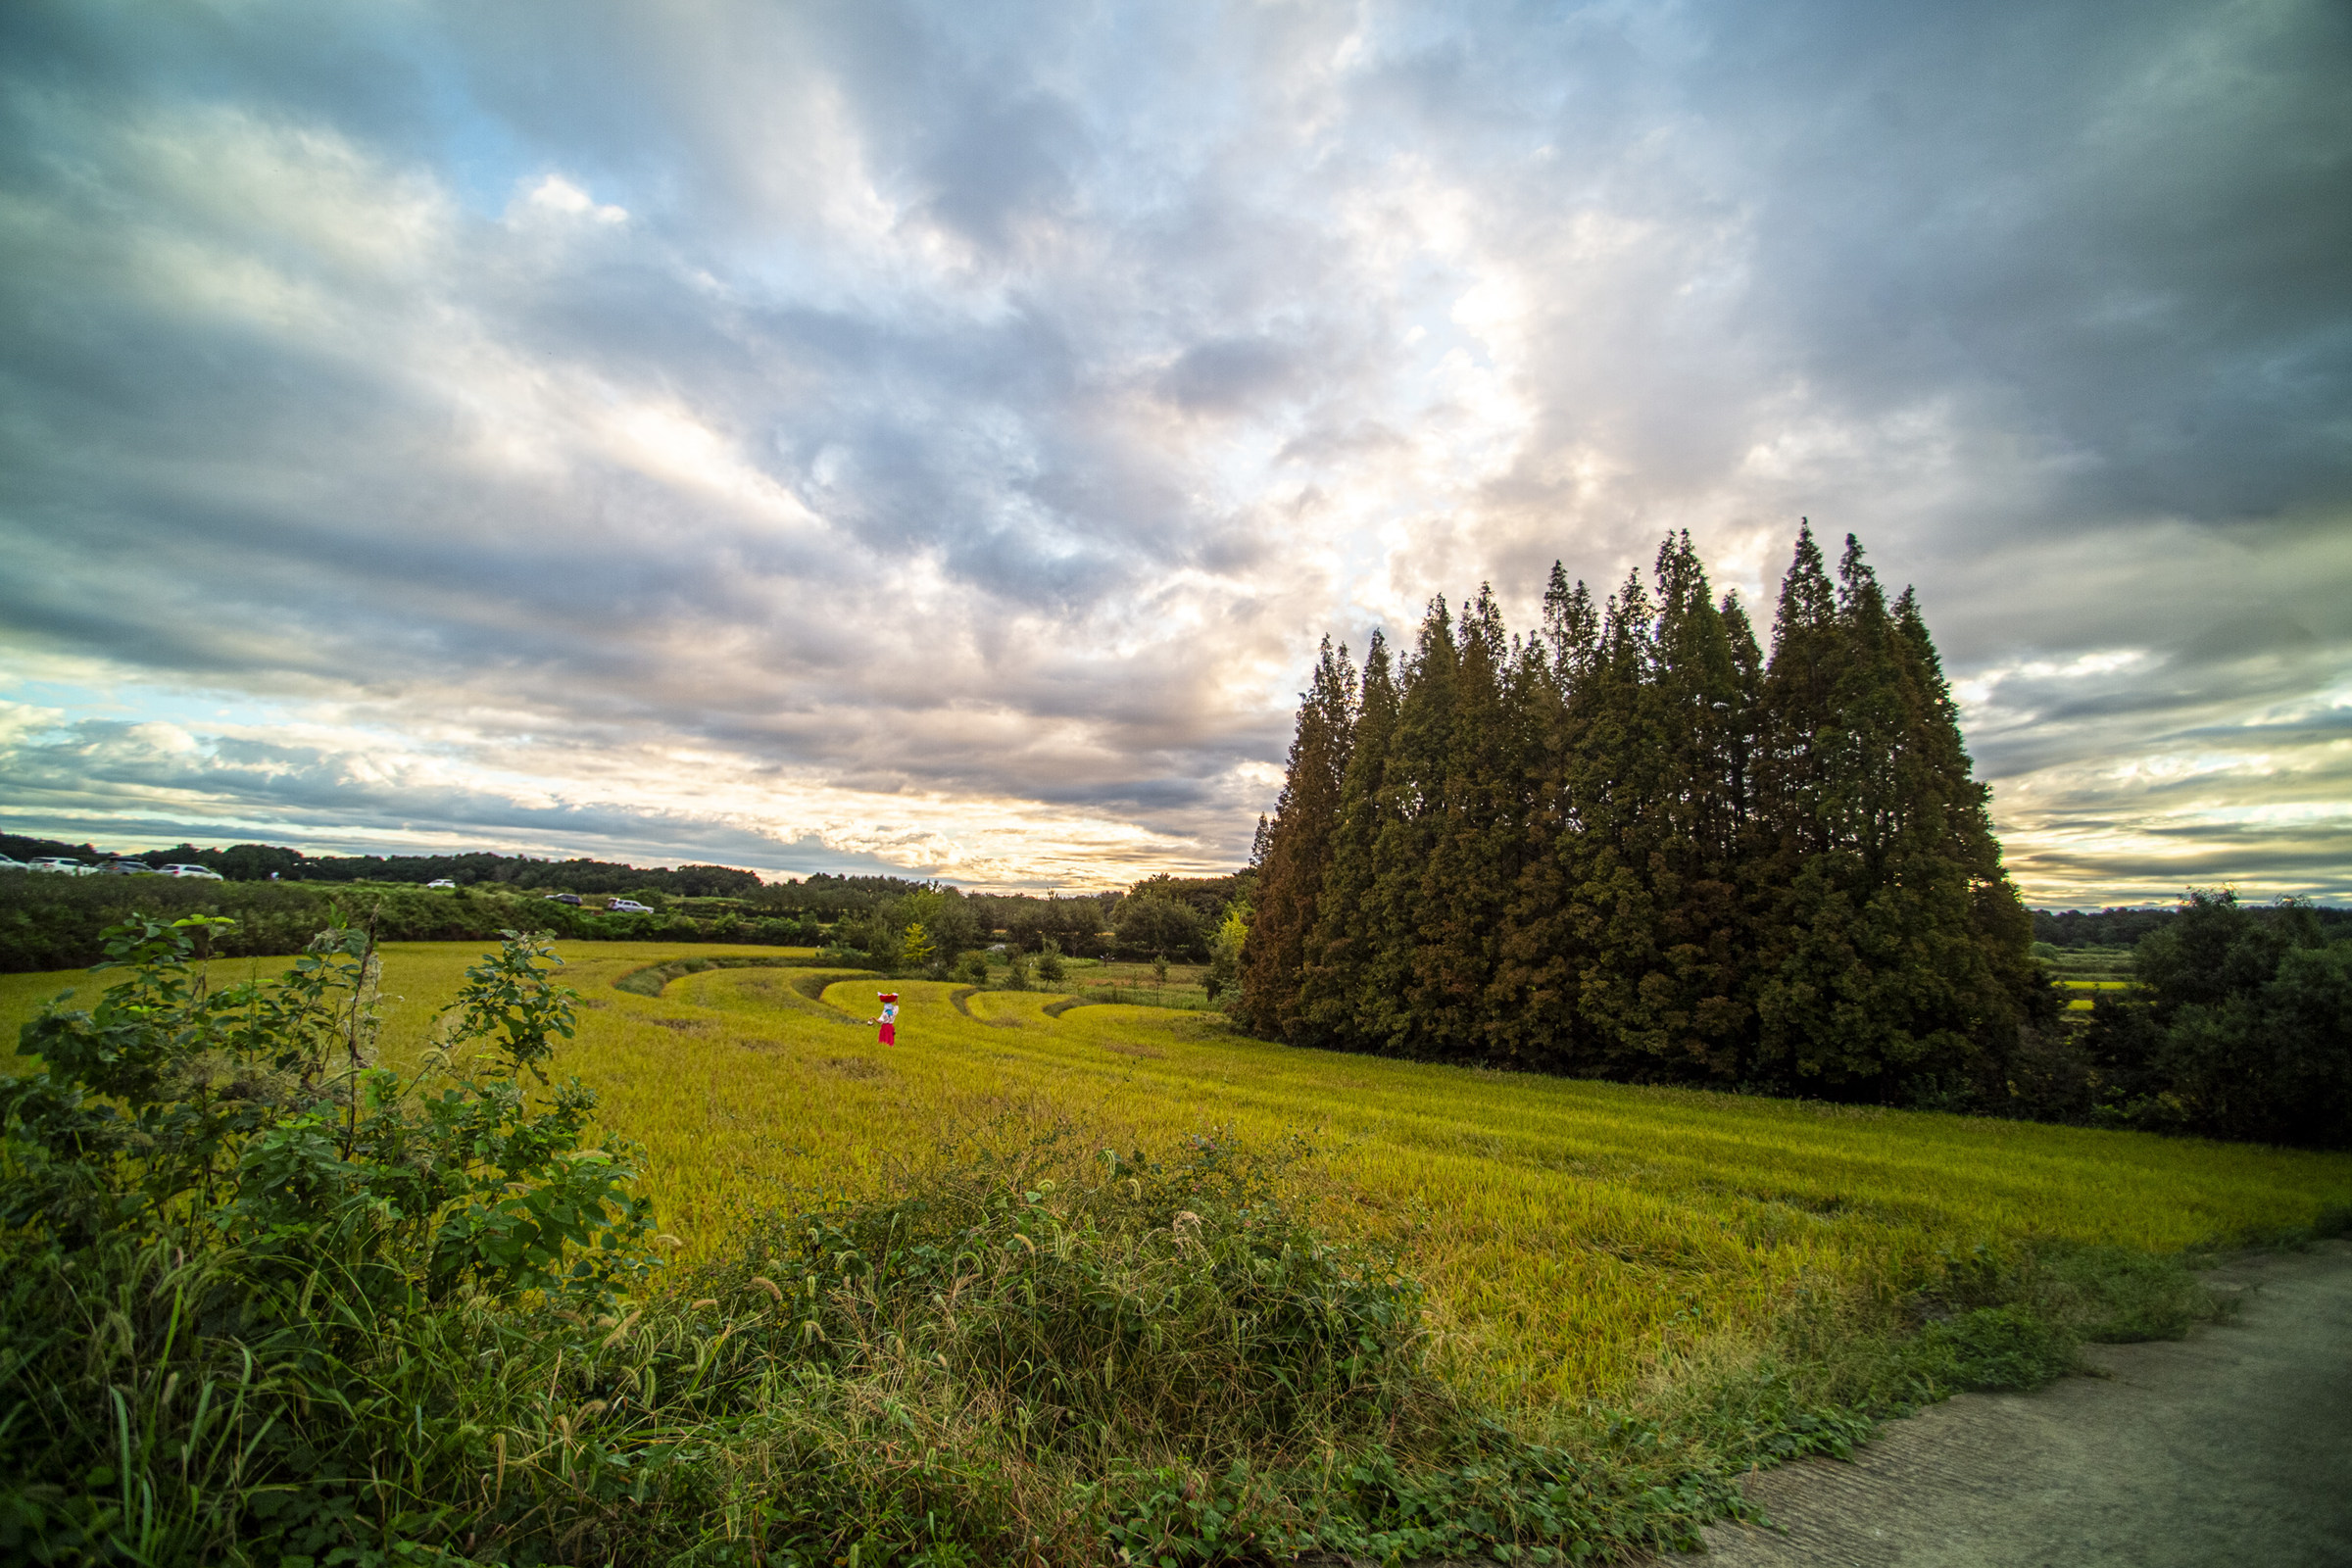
1577	1238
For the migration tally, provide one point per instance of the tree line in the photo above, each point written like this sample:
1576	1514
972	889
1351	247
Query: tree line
58	923
1163	915
2124	928
54	922
1639	845
262	862
2238	1025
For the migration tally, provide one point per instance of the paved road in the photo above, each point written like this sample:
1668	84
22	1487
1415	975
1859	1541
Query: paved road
2232	1448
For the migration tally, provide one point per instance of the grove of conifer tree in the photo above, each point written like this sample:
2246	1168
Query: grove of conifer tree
1634	845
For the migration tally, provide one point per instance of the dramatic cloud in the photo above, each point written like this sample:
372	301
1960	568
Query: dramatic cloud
859	436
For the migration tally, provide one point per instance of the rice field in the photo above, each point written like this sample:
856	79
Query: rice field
1577	1237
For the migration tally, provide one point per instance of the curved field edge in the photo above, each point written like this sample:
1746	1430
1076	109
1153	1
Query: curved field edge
1579	1239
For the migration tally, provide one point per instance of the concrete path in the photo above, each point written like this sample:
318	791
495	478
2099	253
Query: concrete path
2232	1448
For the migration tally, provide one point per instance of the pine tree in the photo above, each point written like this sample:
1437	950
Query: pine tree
1474	843
1692	1014
1892	958
1412	818
1531	1001
1339	948
1993	983
1746	722
1298	848
1616	779
1797	708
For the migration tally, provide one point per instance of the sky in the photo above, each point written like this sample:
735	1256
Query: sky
932	439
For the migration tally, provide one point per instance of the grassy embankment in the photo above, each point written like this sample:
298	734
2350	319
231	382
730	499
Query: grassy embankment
1580	1240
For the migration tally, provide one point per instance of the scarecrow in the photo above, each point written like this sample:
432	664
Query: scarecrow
890	1016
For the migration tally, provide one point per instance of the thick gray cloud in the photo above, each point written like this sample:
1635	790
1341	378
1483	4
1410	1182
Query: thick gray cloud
936	436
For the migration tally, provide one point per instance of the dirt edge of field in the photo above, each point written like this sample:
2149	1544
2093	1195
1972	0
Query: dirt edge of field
2231	1446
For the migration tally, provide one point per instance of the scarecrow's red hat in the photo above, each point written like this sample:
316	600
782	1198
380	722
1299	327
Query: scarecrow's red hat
885	996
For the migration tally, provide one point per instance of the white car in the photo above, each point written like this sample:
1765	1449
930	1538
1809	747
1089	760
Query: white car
9	863
62	864
204	871
440	882
627	907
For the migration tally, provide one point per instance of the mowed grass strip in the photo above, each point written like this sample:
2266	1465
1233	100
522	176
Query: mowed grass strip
1577	1237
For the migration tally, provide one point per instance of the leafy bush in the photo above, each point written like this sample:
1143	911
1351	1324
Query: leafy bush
2241	1028
1992	1347
235	1245
1152	922
1156	1356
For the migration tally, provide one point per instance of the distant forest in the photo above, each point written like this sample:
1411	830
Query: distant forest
48	923
1636	846
2124	929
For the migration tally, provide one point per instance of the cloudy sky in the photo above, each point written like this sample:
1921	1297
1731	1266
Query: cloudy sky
933	438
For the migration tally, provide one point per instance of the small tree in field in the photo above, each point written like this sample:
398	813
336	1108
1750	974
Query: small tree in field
1225	953
1048	962
916	946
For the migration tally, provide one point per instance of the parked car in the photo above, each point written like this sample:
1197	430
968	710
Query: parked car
63	864
204	871
9	863
126	869
440	882
573	898
627	907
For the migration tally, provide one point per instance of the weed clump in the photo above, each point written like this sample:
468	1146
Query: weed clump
1134	1357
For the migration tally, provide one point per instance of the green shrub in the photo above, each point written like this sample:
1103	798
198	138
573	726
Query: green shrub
2241	1028
238	1251
1992	1347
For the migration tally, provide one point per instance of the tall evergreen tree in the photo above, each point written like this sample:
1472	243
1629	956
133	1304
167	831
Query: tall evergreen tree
1475	838
1338	951
1614	777
1883	974
1532	1000
1412	819
1297	848
1994	984
1747	723
1799	705
1689	1015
